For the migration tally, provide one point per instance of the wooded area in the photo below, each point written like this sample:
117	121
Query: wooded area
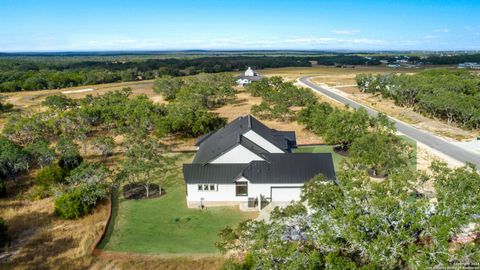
17	74
56	140
44	71
451	95
357	223
278	98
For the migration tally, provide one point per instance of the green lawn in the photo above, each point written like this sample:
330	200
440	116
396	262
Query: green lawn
337	159
166	225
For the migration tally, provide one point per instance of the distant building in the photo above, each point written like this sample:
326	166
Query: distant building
393	65
470	65
249	77
249	72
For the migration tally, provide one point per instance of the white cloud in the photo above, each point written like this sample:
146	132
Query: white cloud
345	32
444	30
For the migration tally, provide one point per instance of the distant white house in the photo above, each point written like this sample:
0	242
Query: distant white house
246	162
393	65
249	77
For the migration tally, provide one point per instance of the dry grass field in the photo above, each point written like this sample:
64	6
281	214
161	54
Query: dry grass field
33	98
331	75
40	240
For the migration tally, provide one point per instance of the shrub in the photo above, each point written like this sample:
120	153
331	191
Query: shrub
69	155
14	160
70	162
382	154
87	186
291	210
71	205
40	192
59	102
4	239
50	174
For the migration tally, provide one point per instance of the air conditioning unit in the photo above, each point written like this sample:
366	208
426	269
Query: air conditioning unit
252	202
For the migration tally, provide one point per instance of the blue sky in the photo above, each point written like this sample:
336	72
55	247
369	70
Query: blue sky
71	25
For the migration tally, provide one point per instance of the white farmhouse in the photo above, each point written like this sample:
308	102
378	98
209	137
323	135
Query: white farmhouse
250	72
249	77
246	161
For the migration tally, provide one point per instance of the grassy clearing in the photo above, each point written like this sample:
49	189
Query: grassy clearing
337	159
165	225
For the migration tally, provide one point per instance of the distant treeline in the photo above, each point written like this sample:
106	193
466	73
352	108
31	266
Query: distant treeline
28	72
20	74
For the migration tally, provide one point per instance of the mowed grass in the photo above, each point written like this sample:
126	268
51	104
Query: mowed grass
337	159
166	226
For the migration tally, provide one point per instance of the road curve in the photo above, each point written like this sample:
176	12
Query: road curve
428	139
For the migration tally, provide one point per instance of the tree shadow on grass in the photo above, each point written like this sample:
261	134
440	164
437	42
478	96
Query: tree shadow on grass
38	253
113	219
32	244
239	102
23	226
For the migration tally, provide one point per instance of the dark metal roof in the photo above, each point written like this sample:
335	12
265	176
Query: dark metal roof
212	173
229	136
245	142
203	138
290	168
276	137
278	168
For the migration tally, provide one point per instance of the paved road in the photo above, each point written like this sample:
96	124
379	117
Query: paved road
428	139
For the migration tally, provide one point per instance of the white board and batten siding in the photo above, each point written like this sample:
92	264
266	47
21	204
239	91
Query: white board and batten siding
285	194
238	154
260	141
227	192
223	193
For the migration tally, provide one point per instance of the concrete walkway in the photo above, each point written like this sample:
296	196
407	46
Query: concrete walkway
264	214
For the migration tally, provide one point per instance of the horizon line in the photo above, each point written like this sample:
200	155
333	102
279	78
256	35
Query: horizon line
233	50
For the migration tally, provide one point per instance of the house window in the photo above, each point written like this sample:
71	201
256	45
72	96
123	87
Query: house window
207	187
241	188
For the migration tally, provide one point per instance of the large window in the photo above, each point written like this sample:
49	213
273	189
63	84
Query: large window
207	187
241	188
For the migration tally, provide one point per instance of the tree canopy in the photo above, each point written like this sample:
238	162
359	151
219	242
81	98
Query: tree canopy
453	96
357	223
278	97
